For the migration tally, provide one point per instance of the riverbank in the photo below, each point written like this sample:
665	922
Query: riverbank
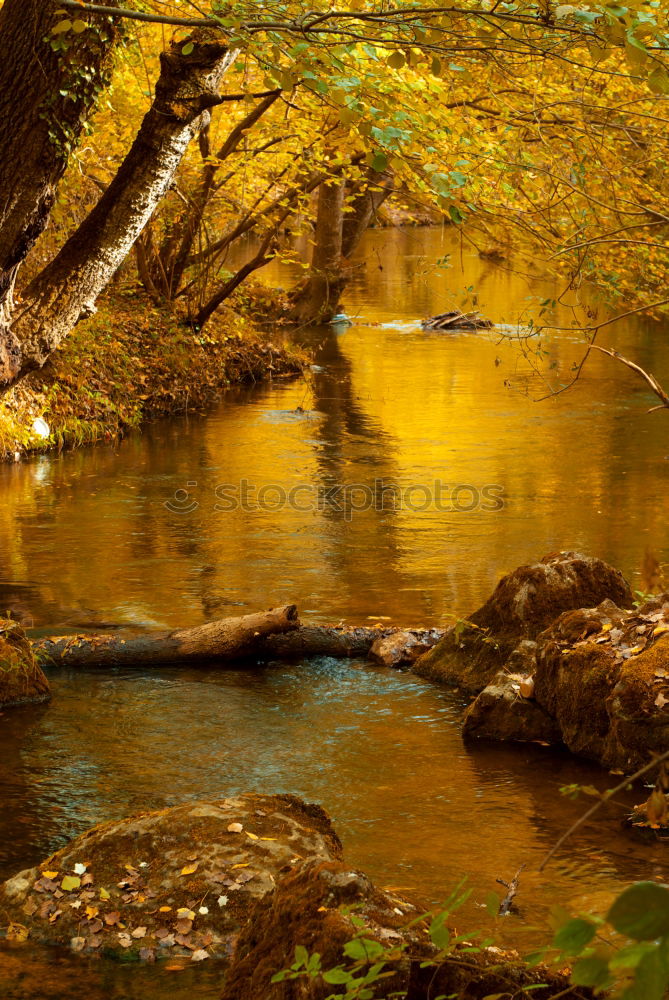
129	363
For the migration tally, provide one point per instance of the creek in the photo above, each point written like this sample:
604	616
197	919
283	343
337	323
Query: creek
333	491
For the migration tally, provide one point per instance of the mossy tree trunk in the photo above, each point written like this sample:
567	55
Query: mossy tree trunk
49	84
66	290
317	299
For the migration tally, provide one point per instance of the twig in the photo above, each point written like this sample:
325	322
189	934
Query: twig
505	905
605	798
650	379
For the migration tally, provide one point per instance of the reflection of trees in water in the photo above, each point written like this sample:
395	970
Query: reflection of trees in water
352	450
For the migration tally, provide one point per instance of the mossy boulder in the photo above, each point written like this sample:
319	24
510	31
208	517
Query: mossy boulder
177	881
311	908
603	675
601	687
22	680
523	604
335	912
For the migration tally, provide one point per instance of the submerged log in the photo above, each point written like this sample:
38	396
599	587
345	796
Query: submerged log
225	639
457	321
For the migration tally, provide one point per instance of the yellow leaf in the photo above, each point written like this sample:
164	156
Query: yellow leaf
104	894
70	882
190	869
50	874
253	836
17	932
244	864
164	909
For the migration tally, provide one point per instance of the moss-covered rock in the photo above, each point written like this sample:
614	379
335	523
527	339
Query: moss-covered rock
177	881
603	674
315	907
501	712
523	604
22	680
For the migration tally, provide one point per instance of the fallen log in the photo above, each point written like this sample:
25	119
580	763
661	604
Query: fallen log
341	641
270	635
224	639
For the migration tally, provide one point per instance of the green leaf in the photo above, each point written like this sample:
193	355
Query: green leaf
61	27
78	26
651	975
574	936
456	215
591	971
337	976
641	912
187	48
301	956
70	882
362	949
380	162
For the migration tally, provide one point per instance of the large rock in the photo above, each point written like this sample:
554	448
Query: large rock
603	675
523	604
601	687
314	909
22	680
177	881
311	908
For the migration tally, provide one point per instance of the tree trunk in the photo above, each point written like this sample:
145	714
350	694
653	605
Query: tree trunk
45	99
226	639
371	194
67	288
317	299
167	272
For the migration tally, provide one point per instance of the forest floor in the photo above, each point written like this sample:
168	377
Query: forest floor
131	362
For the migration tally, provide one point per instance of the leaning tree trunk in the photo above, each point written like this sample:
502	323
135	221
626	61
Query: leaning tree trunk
67	289
46	95
317	299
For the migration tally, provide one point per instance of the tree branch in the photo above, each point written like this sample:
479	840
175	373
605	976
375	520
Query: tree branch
650	379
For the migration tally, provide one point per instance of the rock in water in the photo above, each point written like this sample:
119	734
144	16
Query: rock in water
603	674
523	604
22	680
401	648
500	712
177	881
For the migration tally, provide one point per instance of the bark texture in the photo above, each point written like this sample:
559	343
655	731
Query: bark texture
317	300
67	288
369	196
44	101
225	639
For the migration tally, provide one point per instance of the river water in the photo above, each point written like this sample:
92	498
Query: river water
399	480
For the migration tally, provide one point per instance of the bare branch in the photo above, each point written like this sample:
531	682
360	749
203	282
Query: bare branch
650	379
